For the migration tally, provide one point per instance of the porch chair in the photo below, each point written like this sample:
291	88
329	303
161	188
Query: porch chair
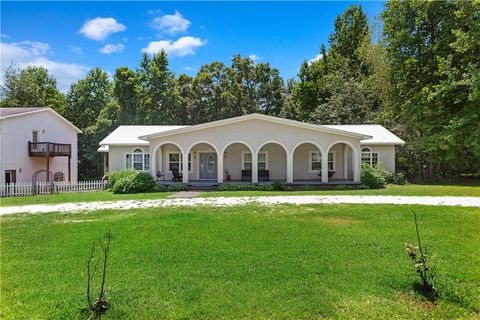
176	175
160	176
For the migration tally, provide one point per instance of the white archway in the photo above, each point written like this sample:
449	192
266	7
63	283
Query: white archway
153	156
219	159
289	166
222	157
355	163
304	174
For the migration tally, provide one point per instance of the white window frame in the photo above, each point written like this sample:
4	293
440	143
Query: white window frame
369	154
145	163
248	152
180	166
334	161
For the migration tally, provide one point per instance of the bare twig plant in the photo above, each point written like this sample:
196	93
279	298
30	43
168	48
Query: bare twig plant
425	266
99	252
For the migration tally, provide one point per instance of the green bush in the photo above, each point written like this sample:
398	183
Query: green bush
123	185
115	176
245	187
279	186
343	187
176	187
137	183
373	177
306	188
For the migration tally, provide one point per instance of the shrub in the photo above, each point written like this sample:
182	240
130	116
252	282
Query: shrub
279	186
177	187
245	187
138	183
306	188
115	176
373	177
343	187
400	178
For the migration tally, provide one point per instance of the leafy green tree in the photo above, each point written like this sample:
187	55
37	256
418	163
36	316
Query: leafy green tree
91	108
432	48
158	93
31	87
126	91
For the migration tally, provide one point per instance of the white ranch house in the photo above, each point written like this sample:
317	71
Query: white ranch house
252	148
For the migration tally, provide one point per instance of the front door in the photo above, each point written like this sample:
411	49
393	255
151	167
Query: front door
208	166
10	176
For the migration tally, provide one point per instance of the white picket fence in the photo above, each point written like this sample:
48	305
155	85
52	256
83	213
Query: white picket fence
20	189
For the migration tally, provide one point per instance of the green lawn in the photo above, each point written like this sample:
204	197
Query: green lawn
249	262
393	190
80	197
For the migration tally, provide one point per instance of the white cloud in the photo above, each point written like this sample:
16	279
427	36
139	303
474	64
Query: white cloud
254	57
317	57
28	53
112	48
188	68
3	35
182	47
100	28
76	49
171	23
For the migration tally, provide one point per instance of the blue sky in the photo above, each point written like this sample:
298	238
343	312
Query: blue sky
69	38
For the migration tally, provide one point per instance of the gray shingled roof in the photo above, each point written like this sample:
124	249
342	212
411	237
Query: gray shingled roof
4	112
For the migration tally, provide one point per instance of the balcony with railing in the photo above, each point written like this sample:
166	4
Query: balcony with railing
49	149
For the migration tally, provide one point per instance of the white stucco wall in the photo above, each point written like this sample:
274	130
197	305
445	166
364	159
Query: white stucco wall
15	133
386	155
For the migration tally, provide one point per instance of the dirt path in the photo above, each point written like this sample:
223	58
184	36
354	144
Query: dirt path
233	201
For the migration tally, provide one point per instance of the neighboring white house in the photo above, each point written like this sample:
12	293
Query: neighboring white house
252	147
35	141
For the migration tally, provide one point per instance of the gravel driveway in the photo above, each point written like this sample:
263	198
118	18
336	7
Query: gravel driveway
233	201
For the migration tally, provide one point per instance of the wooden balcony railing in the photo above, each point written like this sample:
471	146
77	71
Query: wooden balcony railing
49	149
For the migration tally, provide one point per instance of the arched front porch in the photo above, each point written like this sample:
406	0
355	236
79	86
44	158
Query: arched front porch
302	163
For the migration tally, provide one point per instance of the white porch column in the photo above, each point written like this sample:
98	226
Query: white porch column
220	168
325	167
185	167
357	164
254	167
290	168
153	163
345	161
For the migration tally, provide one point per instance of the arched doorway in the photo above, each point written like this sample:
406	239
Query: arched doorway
167	161
272	161
203	162
237	162
307	162
342	162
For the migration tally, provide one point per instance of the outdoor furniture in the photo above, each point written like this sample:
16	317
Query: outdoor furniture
330	174
263	175
176	175
160	175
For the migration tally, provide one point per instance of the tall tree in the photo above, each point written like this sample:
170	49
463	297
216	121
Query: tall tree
126	91
89	102
158	93
31	87
433	54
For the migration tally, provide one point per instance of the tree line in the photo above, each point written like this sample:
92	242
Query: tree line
419	77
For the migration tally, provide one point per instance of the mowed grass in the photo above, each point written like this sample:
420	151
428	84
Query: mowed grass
79	197
248	262
390	190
